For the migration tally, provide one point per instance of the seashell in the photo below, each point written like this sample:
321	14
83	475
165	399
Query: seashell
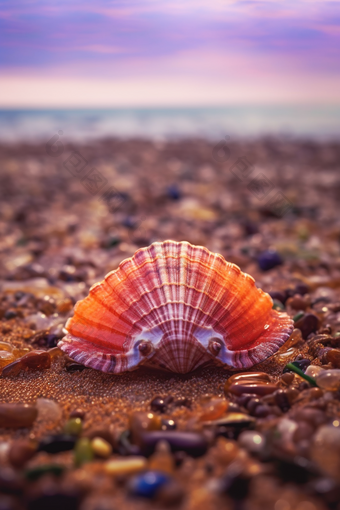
175	306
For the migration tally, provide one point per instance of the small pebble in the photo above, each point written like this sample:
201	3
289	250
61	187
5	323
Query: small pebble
287	378
48	410
83	451
313	370
252	387
192	443
168	425
328	380
252	441
6	358
125	466
333	356
21	451
213	409
73	427
100	447
269	259
158	404
282	400
17	415
147	484
307	324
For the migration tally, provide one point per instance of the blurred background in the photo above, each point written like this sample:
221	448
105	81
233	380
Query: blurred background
124	123
169	68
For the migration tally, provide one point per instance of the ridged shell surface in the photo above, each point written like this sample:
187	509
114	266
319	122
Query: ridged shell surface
175	306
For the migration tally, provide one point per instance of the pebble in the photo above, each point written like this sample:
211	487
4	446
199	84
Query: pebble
48	410
141	422
83	451
6	357
286	428
333	356
168	425
282	400
252	441
20	452
252	387
213	410
192	443
5	346
278	296
34	360
57	443
73	427
297	302
307	324
147	484
287	378
10	314
100	447
159	404
17	415
269	259
328	380
125	466
314	370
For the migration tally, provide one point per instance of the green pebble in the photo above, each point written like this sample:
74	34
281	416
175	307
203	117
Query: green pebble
38	471
73	427
83	451
298	316
277	305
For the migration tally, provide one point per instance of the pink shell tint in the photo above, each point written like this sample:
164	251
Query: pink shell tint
175	306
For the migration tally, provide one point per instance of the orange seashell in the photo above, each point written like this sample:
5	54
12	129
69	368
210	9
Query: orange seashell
174	306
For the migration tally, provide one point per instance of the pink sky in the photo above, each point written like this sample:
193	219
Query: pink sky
147	53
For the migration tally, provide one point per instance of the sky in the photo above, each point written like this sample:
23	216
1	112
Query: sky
78	53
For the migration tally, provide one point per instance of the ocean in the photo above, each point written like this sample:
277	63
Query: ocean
321	122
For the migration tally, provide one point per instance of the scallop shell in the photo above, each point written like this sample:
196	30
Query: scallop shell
174	306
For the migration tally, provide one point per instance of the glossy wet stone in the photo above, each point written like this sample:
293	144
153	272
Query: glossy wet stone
191	443
147	484
6	358
34	360
252	387
252	441
159	404
307	324
328	380
17	415
213	409
325	450
333	356
57	443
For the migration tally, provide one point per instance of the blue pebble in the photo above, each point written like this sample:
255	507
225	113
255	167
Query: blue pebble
269	259
147	484
174	192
